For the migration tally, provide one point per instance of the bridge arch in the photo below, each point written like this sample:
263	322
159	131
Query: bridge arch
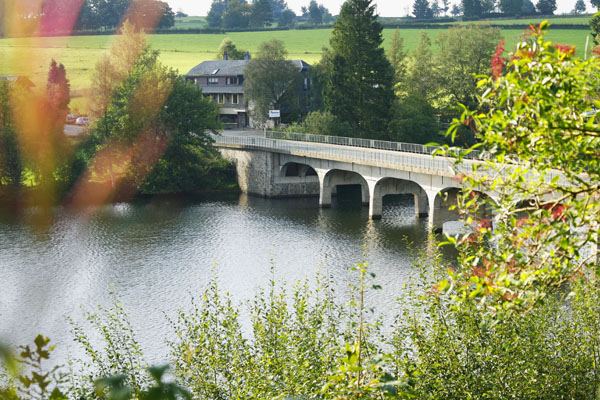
388	186
340	177
297	170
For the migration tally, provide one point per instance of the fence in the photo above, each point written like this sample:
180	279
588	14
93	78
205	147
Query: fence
357	142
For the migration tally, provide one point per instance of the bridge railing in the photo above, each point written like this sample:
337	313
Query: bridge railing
358	142
348	154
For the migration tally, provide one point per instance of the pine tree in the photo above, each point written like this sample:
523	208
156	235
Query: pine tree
359	87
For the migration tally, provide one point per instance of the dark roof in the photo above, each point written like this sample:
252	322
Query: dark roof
229	67
222	68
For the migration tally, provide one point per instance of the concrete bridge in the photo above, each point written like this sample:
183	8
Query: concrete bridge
270	167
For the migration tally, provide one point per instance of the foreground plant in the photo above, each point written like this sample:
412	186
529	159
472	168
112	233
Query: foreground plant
539	180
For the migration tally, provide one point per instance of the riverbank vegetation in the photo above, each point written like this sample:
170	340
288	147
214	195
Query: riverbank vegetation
149	134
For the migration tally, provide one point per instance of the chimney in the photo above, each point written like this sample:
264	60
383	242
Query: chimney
225	56
247	55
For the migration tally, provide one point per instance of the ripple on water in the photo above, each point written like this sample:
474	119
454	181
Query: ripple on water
157	253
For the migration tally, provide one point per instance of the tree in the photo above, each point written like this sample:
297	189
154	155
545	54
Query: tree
262	14
421	72
11	165
233	53
445	7
278	7
537	123
359	87
595	3
595	28
326	16
315	17
112	69
456	11
511	7
287	19
180	14
215	14
397	56
435	9
237	15
271	81
471	8
464	52
152	137
546	7
422	10
579	7
413	121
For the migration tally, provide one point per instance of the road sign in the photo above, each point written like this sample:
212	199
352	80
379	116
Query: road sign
274	114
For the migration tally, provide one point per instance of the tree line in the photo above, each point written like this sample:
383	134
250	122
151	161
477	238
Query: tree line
231	14
64	16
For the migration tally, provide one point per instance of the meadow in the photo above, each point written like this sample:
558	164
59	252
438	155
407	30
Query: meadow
79	54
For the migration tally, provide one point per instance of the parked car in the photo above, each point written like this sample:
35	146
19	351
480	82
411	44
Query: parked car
82	121
71	118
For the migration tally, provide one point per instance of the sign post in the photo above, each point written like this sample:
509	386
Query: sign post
275	114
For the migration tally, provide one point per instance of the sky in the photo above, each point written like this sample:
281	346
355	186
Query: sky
386	8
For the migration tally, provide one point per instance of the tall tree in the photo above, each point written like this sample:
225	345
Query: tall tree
397	56
359	89
278	7
546	7
287	18
215	14
271	81
113	68
579	7
464	52
262	14
595	3
471	8
511	7
422	10
237	14
456	11
315	16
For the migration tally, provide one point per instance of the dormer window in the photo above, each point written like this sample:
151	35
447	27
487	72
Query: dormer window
232	80
213	80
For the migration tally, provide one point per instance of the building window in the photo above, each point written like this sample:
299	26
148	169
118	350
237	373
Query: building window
305	83
235	98
232	80
221	99
227	98
213	80
215	97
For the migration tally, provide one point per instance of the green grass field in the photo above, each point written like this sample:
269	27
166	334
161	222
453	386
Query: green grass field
190	23
32	56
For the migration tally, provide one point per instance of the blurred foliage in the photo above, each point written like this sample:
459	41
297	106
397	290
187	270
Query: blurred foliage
535	228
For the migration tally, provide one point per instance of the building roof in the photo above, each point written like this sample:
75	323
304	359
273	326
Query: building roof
222	89
219	68
229	67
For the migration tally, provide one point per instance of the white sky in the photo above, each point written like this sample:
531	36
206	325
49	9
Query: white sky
386	8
